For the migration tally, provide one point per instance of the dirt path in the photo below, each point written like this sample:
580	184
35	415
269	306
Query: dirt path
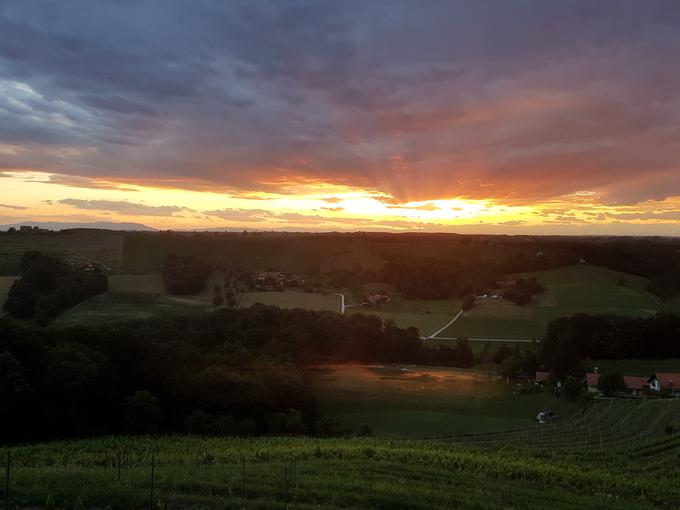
453	319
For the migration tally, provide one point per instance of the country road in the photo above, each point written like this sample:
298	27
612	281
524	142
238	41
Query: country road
512	340
453	319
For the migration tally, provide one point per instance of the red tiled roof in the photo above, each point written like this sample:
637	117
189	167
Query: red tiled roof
542	376
634	383
592	378
668	380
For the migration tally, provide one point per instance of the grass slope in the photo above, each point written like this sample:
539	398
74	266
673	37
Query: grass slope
426	316
612	456
122	307
417	401
293	299
569	290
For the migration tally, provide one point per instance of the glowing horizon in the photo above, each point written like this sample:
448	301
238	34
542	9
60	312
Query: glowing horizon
450	117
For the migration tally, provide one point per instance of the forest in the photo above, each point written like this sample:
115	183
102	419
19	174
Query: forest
48	286
571	339
228	372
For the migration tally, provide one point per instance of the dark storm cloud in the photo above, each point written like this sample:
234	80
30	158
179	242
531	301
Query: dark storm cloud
518	100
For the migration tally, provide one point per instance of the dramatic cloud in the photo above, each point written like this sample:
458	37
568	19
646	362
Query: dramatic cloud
16	207
122	207
515	101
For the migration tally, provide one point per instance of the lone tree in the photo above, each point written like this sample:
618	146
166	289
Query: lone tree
610	384
468	302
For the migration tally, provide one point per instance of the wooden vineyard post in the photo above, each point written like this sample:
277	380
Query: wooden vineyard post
285	485
8	465
243	477
153	474
120	458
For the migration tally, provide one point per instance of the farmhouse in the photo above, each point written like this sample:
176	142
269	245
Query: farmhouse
656	383
376	299
669	382
542	377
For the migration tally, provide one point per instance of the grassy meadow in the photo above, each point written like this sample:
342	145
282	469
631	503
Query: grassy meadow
112	307
143	253
426	316
292	299
641	367
418	401
568	290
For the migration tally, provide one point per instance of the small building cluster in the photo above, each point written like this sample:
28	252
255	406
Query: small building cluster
270	280
659	383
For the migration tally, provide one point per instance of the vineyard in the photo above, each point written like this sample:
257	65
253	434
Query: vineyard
616	454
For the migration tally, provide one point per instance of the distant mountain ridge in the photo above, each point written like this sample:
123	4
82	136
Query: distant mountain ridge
103	225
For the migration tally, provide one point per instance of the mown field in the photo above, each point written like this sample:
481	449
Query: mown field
426	316
112	307
417	401
611	456
569	290
292	299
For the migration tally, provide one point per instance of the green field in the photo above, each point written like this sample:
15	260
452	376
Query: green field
642	367
426	316
5	283
132	283
611	456
417	401
569	290
122	307
254	251
292	299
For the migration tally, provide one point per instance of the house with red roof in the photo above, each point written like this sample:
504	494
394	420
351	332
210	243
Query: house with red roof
659	382
542	377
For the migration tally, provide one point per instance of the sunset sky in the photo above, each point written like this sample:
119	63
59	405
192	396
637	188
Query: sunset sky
471	116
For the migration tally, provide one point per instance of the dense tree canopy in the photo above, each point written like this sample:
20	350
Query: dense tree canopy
185	274
48	286
570	339
230	370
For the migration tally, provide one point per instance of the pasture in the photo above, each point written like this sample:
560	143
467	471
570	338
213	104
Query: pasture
292	299
568	290
418	401
123	307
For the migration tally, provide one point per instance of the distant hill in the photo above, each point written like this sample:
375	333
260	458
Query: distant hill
103	225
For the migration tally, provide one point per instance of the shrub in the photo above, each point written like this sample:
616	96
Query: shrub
363	430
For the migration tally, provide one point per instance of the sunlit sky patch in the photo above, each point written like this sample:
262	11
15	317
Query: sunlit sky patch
500	117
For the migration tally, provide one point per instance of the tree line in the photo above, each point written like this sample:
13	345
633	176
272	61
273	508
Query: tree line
569	340
48	286
229	371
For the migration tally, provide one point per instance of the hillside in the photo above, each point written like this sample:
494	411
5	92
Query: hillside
568	290
612	456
